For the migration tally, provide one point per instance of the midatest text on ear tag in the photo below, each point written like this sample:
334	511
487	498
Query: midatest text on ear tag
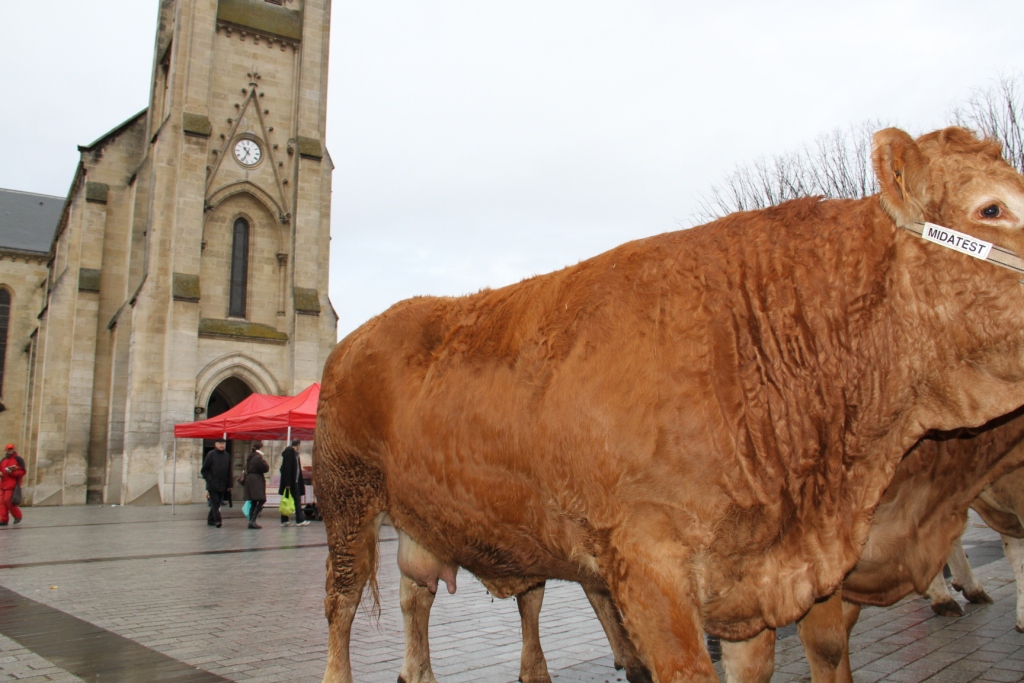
957	241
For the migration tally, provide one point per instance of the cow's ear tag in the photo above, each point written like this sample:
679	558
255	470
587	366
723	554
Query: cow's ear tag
901	170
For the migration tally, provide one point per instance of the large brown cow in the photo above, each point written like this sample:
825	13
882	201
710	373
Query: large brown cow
703	420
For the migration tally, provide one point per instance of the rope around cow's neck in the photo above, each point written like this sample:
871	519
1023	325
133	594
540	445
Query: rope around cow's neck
966	244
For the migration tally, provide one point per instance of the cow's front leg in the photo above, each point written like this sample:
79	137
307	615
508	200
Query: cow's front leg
533	668
651	585
963	576
943	602
625	653
1014	549
824	634
416	602
751	660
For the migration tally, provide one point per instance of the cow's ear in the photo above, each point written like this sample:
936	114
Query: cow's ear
902	173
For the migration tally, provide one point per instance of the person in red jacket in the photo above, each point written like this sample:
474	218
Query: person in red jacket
12	469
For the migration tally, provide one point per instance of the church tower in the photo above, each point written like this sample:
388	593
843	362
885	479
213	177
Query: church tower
190	266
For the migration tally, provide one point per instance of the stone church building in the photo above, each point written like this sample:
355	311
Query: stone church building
187	267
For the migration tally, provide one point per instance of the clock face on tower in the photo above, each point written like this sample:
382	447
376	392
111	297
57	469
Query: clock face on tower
248	152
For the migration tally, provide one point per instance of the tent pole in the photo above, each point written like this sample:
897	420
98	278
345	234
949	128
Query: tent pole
288	443
174	477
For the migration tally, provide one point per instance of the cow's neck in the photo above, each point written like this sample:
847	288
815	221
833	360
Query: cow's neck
936	360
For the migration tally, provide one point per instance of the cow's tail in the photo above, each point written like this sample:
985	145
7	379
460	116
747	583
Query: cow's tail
372	585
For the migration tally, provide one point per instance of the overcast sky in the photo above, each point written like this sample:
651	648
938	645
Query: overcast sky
478	143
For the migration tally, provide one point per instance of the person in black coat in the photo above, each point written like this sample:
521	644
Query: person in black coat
216	471
255	483
291	480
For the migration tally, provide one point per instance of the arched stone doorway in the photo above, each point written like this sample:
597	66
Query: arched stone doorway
228	394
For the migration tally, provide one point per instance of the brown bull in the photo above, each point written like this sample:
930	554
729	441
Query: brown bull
1001	505
703	421
922	514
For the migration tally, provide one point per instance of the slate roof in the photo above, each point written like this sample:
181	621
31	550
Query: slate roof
28	220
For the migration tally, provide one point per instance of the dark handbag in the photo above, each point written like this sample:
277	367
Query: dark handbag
16	497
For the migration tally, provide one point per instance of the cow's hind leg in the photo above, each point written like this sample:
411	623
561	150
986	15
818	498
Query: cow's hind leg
824	634
349	494
650	582
750	661
625	653
416	602
963	577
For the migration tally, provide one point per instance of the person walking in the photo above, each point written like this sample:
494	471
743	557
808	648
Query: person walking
216	470
291	481
12	469
255	483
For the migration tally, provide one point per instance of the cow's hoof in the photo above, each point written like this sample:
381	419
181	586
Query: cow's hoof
978	597
638	674
948	608
542	678
537	672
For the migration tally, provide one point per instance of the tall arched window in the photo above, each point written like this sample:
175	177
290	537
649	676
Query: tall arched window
5	320
239	268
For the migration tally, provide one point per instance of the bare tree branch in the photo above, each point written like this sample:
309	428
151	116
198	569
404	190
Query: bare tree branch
838	164
996	113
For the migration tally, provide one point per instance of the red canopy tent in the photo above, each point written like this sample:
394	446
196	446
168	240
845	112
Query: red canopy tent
259	416
293	418
217	426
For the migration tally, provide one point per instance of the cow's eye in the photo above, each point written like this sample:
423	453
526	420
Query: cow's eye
991	211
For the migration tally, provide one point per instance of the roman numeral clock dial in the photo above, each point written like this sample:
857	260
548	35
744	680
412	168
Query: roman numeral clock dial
248	152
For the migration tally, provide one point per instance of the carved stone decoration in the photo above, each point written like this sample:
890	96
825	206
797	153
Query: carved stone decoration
88	280
196	125
96	193
307	301
310	148
269	187
269	21
241	329
185	287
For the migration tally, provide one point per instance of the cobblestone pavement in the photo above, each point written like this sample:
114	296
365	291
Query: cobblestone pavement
136	594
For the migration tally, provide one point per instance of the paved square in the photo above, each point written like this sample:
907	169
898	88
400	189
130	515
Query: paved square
194	603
